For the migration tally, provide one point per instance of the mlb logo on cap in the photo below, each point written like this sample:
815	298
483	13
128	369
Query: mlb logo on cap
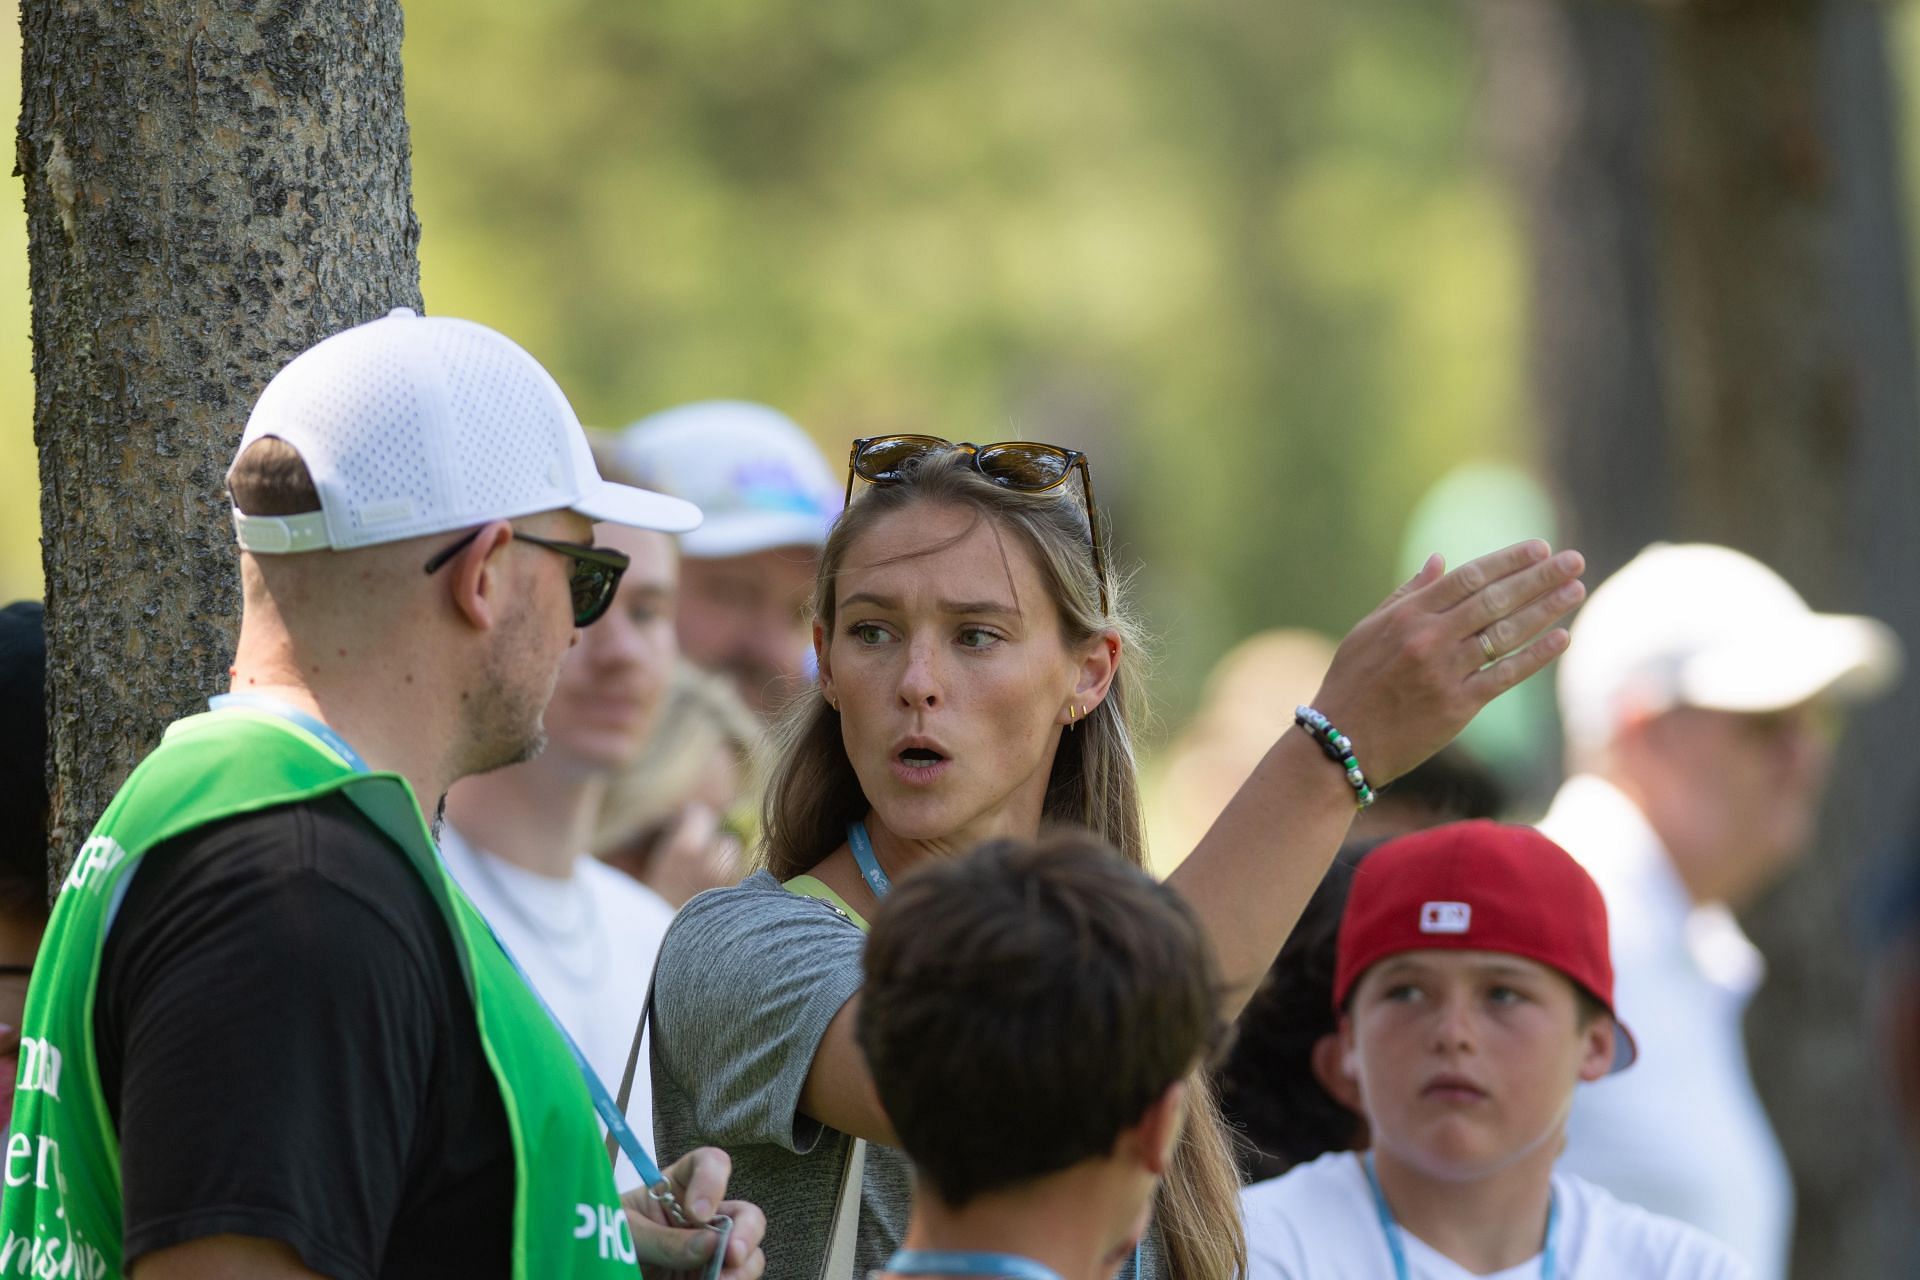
1445	917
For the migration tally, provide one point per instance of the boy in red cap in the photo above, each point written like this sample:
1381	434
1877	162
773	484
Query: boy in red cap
1474	991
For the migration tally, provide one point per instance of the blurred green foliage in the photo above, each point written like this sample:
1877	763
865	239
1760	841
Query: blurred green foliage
1251	258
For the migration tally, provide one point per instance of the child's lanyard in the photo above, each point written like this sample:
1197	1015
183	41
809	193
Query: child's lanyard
877	880
1388	1229
968	1262
603	1102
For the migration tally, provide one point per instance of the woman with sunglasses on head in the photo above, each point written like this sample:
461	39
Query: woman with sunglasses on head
976	681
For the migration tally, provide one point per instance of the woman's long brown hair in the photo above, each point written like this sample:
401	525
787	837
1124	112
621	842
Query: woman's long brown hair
813	793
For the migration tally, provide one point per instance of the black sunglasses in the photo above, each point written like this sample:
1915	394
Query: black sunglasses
594	577
1021	465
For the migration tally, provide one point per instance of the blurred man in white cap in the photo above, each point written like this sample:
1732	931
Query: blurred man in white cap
747	572
1698	698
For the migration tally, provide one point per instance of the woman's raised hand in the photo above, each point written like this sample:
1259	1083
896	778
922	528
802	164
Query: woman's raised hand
1412	673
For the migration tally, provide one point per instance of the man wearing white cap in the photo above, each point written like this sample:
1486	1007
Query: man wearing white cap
289	1046
1698	696
747	572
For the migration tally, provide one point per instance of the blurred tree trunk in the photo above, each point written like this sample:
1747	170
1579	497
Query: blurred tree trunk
1725	351
210	188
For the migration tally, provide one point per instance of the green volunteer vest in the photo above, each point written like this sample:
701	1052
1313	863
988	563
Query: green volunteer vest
62	1211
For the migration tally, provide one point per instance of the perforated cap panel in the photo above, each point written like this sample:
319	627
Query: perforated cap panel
510	424
412	425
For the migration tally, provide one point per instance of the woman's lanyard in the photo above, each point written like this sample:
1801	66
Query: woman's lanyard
968	1262
1399	1252
870	869
603	1103
877	880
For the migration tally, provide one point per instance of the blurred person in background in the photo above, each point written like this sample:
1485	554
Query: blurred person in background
517	838
23	822
1475	1000
678	818
1084	995
1451	786
1699	701
747	573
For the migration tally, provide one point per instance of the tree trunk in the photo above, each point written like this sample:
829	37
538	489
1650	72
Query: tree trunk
1724	211
1570	93
210	188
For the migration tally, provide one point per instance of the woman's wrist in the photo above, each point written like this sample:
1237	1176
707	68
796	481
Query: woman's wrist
1339	749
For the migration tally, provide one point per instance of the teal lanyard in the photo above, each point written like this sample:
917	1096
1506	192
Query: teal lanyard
870	869
877	880
967	1262
603	1103
1399	1252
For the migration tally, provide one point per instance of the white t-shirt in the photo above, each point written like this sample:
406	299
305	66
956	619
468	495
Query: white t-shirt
1318	1222
588	943
1683	1132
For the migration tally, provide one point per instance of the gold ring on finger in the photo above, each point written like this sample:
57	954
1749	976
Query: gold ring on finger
1486	646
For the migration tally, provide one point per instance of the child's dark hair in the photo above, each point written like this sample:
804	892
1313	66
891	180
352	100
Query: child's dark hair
1024	1006
1268	1090
23	761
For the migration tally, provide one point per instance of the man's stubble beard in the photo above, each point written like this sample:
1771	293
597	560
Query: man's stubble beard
505	715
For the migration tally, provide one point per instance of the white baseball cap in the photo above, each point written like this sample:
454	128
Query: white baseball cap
1705	626
758	477
413	425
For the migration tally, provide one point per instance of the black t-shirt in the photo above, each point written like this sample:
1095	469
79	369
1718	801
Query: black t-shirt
288	1050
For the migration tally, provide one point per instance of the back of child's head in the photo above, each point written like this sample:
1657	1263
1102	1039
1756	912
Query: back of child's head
1024	1005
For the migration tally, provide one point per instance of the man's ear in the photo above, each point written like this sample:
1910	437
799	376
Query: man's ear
473	576
1331	1068
1153	1137
1596	1058
1098	666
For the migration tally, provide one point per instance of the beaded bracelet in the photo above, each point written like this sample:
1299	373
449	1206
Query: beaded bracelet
1338	748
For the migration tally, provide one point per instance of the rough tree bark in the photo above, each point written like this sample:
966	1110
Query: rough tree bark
210	187
1716	218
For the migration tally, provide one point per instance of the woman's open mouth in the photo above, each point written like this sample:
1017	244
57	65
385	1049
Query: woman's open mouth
919	765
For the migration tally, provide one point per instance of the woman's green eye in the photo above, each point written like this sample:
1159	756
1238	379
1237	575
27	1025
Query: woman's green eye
868	633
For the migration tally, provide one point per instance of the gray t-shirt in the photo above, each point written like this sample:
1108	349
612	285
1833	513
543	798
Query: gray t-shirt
747	981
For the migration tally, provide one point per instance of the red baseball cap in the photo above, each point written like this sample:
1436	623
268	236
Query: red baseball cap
1479	886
